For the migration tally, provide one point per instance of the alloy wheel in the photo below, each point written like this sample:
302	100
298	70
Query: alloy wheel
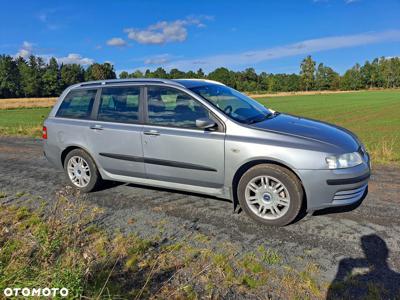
267	197
78	171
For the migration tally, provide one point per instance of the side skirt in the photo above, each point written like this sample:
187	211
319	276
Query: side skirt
217	192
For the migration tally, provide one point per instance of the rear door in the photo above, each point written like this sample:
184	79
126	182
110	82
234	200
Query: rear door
116	134
174	148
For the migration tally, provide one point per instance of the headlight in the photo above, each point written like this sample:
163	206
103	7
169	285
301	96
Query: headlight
346	160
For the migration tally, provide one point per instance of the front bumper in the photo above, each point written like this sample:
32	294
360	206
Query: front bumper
332	188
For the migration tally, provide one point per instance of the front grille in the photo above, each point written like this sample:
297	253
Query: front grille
350	194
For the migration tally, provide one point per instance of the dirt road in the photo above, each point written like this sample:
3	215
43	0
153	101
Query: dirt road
328	240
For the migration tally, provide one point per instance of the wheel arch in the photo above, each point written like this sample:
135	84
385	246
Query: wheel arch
68	149
247	165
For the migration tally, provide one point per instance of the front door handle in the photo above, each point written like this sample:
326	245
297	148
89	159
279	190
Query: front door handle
151	132
96	127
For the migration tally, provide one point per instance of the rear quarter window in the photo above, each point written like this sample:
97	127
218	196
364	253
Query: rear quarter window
77	104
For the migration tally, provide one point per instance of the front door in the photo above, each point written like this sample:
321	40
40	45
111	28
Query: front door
174	148
116	134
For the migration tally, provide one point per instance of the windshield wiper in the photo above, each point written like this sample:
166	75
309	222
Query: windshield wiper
263	118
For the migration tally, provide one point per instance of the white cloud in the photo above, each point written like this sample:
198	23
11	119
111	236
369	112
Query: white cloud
350	1
159	33
157	60
300	48
165	32
25	51
74	58
116	42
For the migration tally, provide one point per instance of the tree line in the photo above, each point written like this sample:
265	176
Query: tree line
33	77
36	78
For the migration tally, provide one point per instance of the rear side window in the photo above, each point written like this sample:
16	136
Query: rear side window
77	104
119	105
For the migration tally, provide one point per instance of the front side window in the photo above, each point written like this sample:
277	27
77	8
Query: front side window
234	104
171	107
77	104
119	104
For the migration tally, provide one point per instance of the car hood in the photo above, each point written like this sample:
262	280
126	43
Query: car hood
310	129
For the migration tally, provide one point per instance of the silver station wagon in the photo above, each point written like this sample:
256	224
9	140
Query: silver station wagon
204	137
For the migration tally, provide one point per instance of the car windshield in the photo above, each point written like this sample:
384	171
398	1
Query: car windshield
234	104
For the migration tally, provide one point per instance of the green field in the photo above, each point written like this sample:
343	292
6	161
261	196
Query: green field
24	121
373	115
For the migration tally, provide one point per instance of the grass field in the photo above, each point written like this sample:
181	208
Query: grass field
373	115
23	122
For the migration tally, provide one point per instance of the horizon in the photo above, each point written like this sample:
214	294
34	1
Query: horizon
269	37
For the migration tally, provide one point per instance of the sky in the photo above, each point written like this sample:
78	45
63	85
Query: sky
269	36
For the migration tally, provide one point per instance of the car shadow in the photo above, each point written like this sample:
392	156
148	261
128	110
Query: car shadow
352	281
108	184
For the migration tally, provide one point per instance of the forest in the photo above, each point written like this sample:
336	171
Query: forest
35	77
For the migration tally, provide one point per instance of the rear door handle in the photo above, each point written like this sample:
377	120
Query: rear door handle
151	132
96	127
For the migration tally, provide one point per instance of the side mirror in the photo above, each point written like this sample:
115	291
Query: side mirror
205	123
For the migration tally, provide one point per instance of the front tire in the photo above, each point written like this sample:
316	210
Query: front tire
81	171
270	194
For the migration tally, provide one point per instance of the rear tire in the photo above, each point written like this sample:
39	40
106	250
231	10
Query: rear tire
81	171
270	194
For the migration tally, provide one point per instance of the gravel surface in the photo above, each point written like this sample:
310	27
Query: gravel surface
350	239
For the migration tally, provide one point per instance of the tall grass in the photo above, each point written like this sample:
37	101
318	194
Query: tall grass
384	151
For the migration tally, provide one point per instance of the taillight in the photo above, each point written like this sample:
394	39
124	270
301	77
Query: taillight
44	133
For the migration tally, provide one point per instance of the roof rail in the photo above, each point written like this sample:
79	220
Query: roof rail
130	80
200	79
